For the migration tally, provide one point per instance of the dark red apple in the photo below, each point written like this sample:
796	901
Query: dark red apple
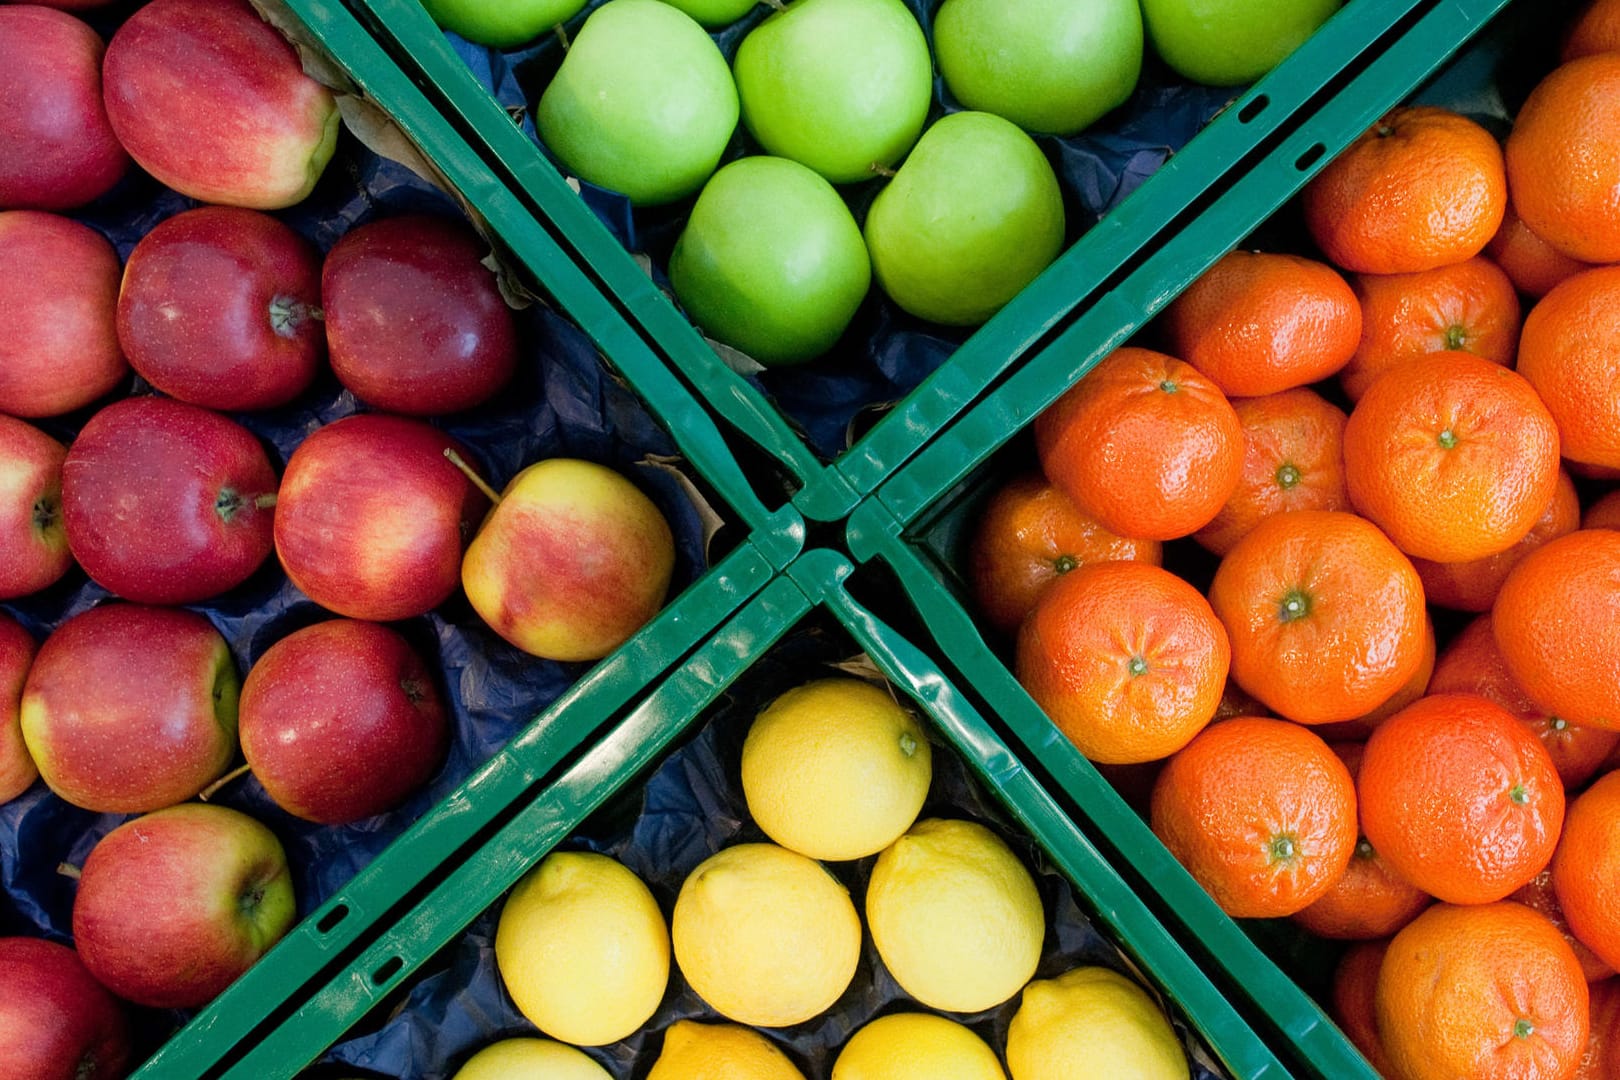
221	307
414	319
33	543
58	306
130	708
174	906
210	99
17	771
372	518
166	503
56	1021
340	721
57	150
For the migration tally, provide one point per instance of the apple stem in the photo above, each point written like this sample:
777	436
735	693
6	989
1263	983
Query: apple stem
477	481
265	501
67	869
562	35
213	789
883	170
779	5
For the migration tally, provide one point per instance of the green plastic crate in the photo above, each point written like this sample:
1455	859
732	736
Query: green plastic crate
1256	120
813	587
769	540
917	524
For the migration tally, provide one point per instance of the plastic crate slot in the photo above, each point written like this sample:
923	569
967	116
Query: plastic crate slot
330	920
1310	157
390	968
1253	109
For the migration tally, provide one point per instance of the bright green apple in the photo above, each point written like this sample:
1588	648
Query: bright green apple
838	85
643	103
972	217
771	261
715	12
502	23
1231	42
1051	66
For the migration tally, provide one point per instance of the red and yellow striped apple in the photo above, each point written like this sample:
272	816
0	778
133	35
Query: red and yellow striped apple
33	543
17	771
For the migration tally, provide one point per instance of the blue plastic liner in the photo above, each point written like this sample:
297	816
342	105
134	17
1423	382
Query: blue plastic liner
690	807
885	353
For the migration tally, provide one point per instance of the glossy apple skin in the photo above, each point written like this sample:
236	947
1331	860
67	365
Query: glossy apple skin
174	906
503	25
414	320
973	216
340	721
162	501
17	771
57	149
571	563
373	519
130	708
220	308
1231	42
33	542
212	101
643	103
56	1021
58	303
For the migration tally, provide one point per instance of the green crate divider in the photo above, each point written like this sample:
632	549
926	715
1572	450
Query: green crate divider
555	811
912	522
829	493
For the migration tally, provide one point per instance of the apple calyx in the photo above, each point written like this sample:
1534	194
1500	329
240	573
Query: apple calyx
47	513
288	315
477	481
228	504
88	1068
414	691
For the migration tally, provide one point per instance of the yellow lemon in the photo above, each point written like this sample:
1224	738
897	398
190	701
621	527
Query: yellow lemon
583	949
1092	1021
835	769
955	916
766	936
530	1059
906	1045
694	1051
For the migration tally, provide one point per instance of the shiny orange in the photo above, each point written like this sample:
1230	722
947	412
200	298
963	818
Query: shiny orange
1259	324
1293	459
1570	352
1557	622
1353	1002
1472	664
1424	188
1326	617
1586	870
1371	900
1144	444
1491	992
1540	896
1595	30
1465	307
1361	728
1260	812
1127	659
1460	798
1603	514
1561	163
1473	585
1534	265
1030	533
1452	456
1601	1061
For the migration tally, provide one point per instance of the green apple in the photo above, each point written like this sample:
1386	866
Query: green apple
1231	42
771	261
643	103
1047	65
842	86
973	216
715	12
502	23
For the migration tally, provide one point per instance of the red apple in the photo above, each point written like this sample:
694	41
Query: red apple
166	503
414	319
17	771
220	307
131	708
571	562
69	5
57	149
58	303
340	721
174	906
56	1021
372	518
33	543
210	99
